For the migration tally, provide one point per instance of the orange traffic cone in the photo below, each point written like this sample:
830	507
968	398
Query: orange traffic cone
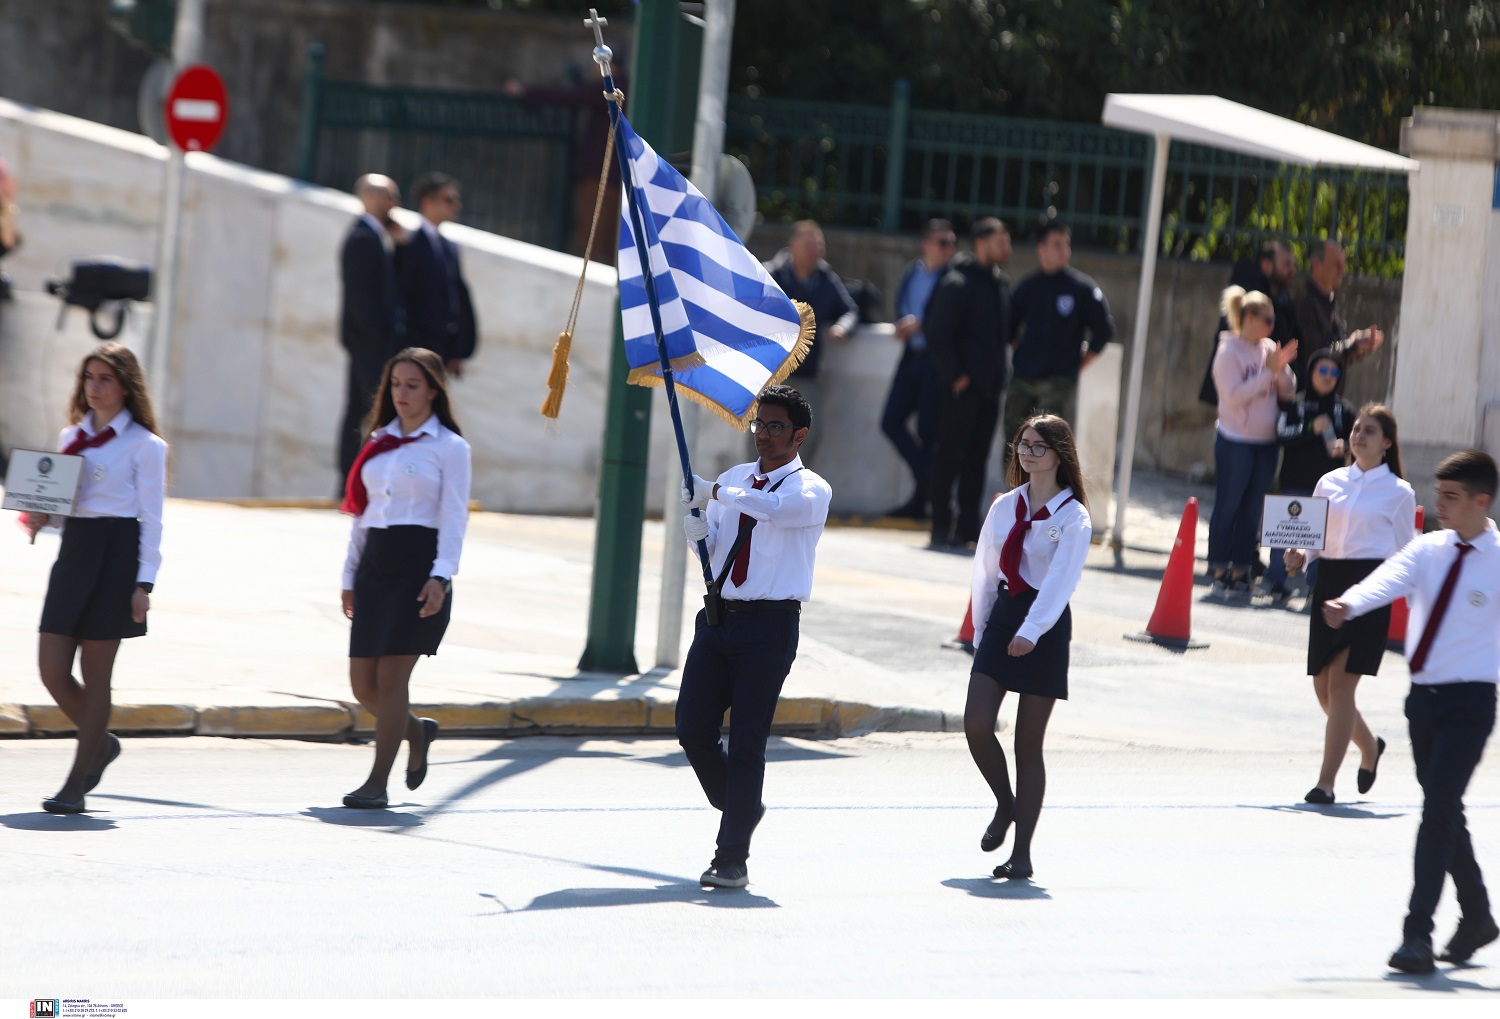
1396	635
1171	622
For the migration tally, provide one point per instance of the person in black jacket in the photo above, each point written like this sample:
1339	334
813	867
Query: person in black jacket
439	311
1051	312
803	274
372	323
1313	430
968	329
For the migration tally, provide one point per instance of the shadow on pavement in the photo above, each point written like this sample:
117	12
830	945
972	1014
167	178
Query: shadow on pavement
990	888
1343	810
519	760
777	749
42	821
346	818
678	891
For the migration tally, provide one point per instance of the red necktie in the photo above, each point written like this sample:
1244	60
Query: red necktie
356	498
83	441
1010	552
741	568
1439	607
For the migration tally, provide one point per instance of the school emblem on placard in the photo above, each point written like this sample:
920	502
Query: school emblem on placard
1065	305
1477	598
1294	509
44	466
1054	533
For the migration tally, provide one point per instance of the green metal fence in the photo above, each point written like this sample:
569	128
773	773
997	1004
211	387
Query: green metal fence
892	168
514	160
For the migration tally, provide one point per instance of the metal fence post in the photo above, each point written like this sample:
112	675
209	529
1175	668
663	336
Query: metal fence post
312	113
895	156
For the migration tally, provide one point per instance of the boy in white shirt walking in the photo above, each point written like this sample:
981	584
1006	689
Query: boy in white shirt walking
1451	580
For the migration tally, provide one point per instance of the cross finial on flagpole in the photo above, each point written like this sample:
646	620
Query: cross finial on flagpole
602	53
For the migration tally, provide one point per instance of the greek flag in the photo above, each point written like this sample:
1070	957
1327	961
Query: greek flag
729	330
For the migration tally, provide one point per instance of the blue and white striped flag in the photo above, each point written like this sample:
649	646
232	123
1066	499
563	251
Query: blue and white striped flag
730	331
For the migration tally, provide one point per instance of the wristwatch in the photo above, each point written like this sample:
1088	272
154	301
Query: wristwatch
447	584
145	586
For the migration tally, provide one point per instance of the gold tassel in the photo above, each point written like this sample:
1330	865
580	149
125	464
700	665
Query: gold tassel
557	378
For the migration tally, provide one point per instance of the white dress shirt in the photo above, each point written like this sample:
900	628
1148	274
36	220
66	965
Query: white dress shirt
1052	556
784	544
424	484
1466	648
125	477
1371	514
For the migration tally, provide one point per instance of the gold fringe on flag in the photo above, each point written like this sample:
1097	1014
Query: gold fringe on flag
650	375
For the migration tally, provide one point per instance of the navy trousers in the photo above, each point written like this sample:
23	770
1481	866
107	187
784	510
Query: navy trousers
1449	724
739	665
915	389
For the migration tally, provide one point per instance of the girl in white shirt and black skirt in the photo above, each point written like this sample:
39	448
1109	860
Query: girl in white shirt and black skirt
1028	561
1371	517
408	492
100	588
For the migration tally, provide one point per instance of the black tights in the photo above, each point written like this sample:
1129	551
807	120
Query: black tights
1024	806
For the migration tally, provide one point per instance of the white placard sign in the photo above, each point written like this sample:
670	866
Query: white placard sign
40	482
1294	521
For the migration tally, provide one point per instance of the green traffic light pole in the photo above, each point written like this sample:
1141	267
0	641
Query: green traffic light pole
613	594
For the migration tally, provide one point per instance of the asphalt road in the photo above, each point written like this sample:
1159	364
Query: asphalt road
566	867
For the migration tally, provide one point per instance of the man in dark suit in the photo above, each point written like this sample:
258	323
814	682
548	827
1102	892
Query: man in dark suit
372	324
968	328
439	312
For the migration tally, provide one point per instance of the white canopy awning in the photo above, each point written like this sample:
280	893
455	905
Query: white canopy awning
1209	120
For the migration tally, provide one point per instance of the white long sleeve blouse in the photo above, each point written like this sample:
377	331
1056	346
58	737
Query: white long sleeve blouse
1052	557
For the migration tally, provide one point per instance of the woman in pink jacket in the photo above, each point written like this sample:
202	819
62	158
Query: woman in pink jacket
1252	377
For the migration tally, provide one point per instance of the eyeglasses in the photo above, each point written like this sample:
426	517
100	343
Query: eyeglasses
1035	449
1328	370
771	428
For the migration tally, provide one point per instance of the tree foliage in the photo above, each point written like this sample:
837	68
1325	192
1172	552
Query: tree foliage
1352	66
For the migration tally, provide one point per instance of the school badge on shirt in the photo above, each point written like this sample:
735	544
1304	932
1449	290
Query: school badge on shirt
1054	533
1477	598
1065	305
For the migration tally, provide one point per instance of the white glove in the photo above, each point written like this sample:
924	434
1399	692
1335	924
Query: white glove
702	493
696	528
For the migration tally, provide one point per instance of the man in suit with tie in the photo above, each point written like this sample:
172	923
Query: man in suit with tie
372	324
439	312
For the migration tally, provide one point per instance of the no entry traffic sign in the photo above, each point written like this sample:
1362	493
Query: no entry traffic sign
196	108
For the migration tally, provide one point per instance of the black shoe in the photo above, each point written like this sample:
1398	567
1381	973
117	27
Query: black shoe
112	750
1279	594
1010	872
1468	939
53	805
1318	796
357	802
993	839
1365	779
725	875
429	733
1414	956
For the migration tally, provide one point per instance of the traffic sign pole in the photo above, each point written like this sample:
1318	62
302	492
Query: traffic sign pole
187	44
